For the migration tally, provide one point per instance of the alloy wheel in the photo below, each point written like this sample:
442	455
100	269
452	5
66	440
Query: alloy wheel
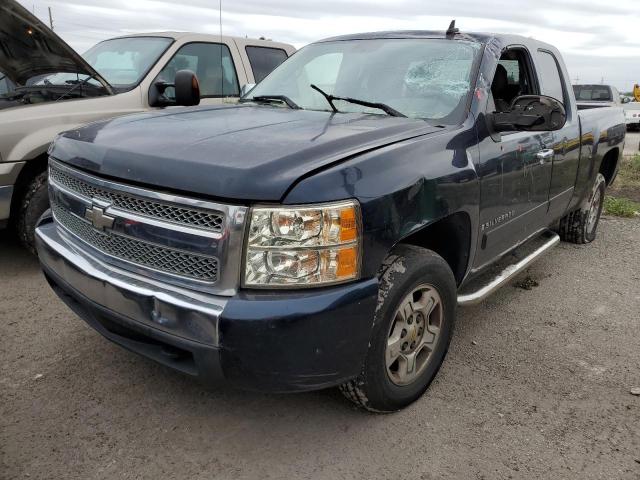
413	334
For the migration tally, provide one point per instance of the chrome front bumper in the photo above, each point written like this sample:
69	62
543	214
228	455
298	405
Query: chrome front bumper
143	302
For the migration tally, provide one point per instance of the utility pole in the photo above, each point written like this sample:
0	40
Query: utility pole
577	80
50	19
601	80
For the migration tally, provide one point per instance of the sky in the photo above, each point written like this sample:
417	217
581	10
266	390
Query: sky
599	40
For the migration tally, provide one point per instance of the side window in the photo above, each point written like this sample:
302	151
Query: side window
550	76
264	60
513	71
213	65
513	78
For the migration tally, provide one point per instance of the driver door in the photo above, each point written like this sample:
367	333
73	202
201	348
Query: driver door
515	169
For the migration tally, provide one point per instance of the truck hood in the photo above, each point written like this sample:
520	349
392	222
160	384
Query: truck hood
29	48
243	153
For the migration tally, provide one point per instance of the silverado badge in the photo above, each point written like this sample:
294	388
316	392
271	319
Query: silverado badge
498	220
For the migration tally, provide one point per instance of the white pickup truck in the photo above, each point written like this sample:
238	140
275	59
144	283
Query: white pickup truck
632	115
47	88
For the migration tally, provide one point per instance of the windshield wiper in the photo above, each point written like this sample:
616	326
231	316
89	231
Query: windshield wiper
328	97
380	106
279	98
75	86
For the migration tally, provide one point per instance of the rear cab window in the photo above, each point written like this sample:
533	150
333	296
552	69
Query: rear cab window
596	93
264	60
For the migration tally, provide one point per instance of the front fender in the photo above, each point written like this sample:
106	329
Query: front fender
36	143
402	188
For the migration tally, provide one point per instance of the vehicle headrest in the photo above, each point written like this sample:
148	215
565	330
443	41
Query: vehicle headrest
500	81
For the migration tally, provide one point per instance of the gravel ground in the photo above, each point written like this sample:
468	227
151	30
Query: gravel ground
536	385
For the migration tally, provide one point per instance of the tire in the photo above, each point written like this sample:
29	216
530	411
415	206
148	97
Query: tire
407	270
33	204
581	225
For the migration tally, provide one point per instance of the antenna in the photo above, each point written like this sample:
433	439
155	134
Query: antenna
452	30
221	44
50	19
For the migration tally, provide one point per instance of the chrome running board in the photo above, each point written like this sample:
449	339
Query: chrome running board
550	239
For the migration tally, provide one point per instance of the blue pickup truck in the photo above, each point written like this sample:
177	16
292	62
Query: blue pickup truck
324	231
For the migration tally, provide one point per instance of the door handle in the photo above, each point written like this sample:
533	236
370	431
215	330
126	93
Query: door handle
545	154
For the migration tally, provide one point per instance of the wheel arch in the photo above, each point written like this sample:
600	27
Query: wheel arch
31	169
449	237
609	165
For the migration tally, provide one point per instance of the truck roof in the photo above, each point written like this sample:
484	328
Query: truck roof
479	37
192	36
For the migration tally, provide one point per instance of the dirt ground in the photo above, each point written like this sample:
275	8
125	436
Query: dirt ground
536	385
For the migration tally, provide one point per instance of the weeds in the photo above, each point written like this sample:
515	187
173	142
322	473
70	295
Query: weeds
624	195
633	167
621	207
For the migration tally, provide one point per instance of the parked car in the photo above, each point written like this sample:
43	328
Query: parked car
324	231
595	96
632	115
46	88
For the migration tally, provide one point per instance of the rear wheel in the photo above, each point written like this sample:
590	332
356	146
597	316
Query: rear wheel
412	331
33	204
581	225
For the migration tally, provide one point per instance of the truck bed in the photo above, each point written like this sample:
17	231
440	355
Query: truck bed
591	105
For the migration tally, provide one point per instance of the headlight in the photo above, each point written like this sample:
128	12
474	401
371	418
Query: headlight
306	245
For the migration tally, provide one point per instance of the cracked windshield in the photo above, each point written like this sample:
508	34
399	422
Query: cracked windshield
423	78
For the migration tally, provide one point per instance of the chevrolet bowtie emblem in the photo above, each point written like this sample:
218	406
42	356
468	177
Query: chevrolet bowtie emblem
97	217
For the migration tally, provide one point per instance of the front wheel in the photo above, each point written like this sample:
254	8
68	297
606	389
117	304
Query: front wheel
412	330
33	204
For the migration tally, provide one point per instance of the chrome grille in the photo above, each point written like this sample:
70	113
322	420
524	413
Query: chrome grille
212	221
184	264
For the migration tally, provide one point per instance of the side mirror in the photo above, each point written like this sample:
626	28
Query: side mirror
625	99
187	88
246	88
185	91
531	113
